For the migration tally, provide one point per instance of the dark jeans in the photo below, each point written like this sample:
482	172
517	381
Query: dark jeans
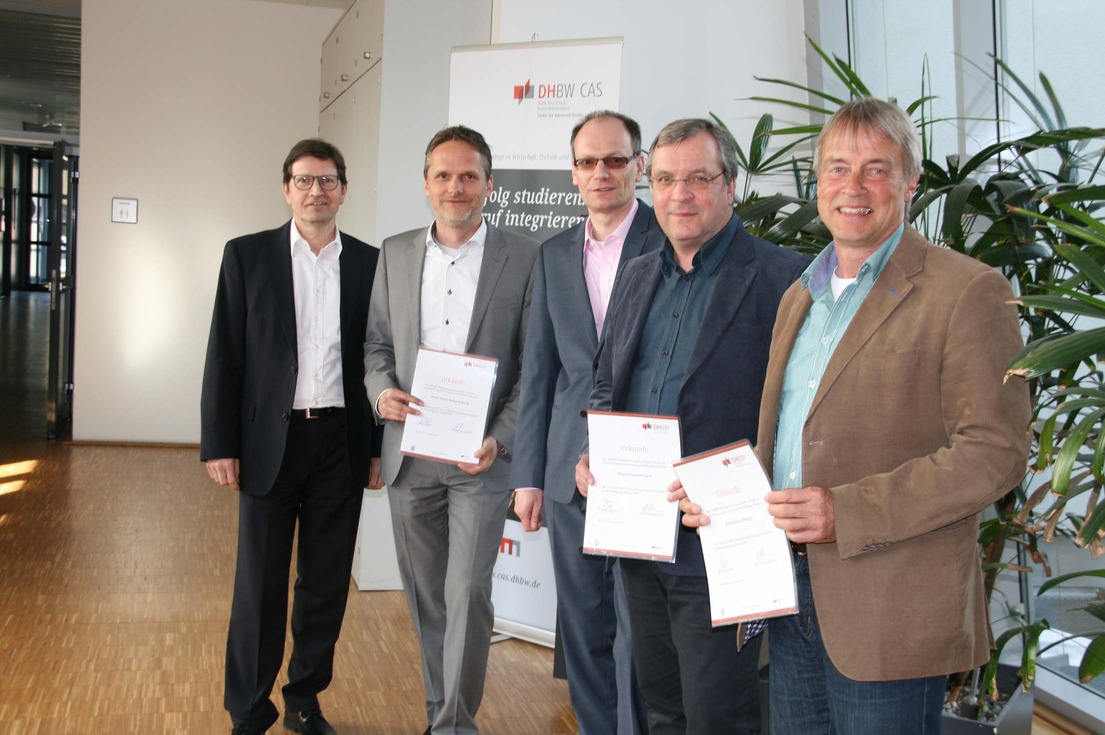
693	680
810	697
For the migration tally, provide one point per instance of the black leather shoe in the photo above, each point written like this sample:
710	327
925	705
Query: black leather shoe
308	722
247	729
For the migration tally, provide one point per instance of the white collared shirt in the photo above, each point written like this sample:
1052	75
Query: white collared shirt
449	277
316	282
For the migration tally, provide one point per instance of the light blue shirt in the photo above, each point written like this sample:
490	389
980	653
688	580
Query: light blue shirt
825	324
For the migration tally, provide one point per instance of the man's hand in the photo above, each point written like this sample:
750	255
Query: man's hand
692	512
584	478
396	405
374	481
806	514
485	455
527	506
223	471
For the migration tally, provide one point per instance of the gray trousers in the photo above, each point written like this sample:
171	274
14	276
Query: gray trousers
448	528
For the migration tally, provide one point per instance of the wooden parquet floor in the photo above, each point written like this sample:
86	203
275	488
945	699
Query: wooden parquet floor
116	569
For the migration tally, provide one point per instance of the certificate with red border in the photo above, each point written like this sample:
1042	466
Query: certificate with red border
628	513
748	561
456	391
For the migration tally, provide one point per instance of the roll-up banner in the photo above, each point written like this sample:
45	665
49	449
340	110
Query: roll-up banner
525	98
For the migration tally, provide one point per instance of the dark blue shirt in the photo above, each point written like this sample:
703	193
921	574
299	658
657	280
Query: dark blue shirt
671	329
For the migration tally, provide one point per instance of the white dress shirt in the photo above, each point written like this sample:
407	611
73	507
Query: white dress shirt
316	282
449	277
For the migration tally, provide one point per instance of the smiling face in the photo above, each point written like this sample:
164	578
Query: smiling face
315	208
688	217
457	186
862	189
605	191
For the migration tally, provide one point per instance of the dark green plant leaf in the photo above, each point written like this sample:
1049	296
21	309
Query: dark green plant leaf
1093	660
1055	581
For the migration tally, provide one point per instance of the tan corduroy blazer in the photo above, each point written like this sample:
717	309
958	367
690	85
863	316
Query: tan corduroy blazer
914	432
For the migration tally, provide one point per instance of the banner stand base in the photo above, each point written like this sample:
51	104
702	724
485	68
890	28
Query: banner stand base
513	629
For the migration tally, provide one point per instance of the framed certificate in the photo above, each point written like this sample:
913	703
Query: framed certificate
456	391
628	513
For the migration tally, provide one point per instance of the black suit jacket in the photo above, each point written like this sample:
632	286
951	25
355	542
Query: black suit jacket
252	357
719	401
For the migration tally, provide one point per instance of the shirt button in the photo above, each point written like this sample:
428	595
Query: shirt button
446	321
664	353
792	475
449	292
812	383
675	314
653	391
824	340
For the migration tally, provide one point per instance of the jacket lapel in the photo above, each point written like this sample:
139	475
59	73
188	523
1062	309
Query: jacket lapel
349	268
890	290
491	267
408	277
791	317
574	288
644	293
280	274
735	277
637	236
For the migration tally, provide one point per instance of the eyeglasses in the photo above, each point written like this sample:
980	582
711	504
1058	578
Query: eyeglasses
613	163
305	182
698	182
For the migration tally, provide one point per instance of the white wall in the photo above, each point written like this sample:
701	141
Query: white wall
189	106
414	101
686	59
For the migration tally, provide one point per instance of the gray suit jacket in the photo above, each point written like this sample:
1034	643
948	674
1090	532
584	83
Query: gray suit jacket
560	353
497	330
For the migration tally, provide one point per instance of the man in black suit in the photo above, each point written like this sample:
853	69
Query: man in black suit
285	420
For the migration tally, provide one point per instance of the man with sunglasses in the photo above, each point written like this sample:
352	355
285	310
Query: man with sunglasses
575	274
687	335
285	421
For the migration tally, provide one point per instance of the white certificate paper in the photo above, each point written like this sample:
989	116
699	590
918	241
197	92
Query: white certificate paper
628	513
456	390
748	564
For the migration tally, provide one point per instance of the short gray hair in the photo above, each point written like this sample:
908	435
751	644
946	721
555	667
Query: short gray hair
680	130
872	115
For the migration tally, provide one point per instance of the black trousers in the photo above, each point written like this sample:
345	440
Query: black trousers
693	680
314	489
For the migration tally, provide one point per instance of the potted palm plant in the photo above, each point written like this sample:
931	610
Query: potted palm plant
1028	207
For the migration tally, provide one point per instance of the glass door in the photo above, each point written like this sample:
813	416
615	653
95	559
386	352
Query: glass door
60	275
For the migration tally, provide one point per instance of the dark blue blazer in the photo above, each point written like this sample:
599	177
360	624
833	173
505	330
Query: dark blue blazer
558	369
719	401
253	358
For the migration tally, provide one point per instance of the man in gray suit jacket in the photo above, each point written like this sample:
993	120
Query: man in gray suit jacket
464	286
576	272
